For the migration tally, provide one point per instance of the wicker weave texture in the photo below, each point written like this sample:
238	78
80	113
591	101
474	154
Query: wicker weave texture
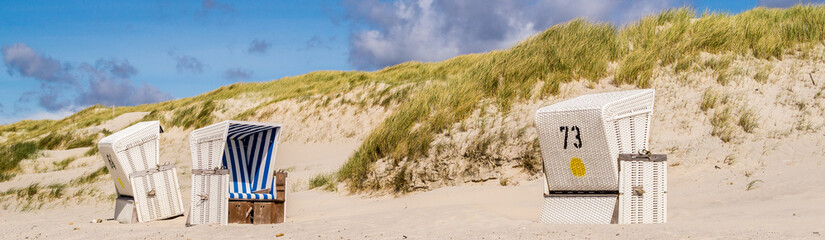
650	204
157	195
132	149
581	138
206	146
578	210
210	199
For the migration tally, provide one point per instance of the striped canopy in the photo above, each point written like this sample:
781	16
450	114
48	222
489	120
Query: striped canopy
250	155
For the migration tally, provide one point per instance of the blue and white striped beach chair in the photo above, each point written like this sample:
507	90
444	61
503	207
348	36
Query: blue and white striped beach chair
231	160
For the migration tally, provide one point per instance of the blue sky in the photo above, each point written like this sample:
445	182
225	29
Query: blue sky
62	56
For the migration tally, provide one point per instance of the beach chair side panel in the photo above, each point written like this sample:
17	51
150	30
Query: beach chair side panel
157	193
209	196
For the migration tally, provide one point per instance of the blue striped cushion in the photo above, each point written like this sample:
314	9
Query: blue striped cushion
251	196
248	156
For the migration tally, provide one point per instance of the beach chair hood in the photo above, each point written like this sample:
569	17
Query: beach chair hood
130	150
581	138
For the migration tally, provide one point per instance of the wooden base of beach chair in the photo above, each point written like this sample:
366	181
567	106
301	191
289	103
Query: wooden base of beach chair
279	213
256	212
261	211
264	213
240	212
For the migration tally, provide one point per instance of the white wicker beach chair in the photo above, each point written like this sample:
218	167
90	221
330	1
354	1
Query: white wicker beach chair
231	160
146	190
581	140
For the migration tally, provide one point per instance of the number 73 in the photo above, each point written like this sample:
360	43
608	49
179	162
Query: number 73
567	131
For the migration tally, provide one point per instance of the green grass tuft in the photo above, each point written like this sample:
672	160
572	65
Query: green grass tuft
709	100
92	151
747	120
323	181
90	177
63	164
720	121
195	116
11	157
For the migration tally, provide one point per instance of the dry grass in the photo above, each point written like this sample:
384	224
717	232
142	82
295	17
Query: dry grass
720	121
63	164
12	155
323	181
762	75
92	151
752	185
730	159
90	177
747	120
709	100
34	196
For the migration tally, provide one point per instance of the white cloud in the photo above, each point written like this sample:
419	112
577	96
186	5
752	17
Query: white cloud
389	33
62	89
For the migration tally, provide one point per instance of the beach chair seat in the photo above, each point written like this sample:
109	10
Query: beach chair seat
146	190
581	141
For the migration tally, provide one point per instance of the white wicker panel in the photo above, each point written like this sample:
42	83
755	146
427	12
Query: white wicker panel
650	206
578	210
206	145
130	150
140	155
166	201
210	195
629	120
598	174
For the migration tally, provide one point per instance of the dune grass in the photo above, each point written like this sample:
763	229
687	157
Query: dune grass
63	164
323	181
747	120
92	151
90	177
720	121
12	155
709	100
